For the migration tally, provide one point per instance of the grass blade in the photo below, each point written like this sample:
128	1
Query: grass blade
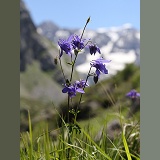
100	150
30	136
126	147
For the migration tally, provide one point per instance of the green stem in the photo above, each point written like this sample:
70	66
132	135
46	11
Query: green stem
68	109
76	54
84	28
73	67
62	69
78	50
82	93
69	141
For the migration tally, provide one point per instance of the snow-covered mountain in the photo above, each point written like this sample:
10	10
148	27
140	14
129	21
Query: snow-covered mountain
119	44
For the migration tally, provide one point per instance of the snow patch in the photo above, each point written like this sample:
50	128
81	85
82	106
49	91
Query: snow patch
118	62
62	33
120	43
102	30
90	34
39	30
138	35
83	68
107	48
120	57
113	35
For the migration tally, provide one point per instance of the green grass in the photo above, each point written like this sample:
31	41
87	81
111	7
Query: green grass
83	145
48	141
38	85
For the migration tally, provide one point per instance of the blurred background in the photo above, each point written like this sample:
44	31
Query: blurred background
114	27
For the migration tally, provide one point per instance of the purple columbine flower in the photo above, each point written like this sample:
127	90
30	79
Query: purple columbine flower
100	66
65	45
93	49
133	94
77	43
81	84
72	89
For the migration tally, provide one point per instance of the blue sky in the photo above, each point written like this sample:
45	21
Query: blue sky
74	13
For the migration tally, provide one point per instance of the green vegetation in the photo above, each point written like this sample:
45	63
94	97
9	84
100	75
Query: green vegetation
49	145
103	105
38	85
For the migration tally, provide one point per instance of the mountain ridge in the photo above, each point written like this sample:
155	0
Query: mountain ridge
40	78
120	44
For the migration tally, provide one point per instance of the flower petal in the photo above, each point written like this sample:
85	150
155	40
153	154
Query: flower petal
97	72
138	94
65	90
103	69
99	50
70	38
80	90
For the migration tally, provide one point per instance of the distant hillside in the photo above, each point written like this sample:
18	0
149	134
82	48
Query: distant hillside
33	46
40	78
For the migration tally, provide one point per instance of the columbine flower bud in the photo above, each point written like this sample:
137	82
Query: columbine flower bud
55	61
88	20
93	49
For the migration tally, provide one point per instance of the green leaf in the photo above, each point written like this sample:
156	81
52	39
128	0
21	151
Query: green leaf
76	52
126	147
67	82
70	63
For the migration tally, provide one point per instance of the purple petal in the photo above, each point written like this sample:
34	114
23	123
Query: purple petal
71	94
80	90
70	38
138	94
103	69
128	94
98	50
97	72
65	90
101	60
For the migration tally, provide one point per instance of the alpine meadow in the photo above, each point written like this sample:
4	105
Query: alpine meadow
79	92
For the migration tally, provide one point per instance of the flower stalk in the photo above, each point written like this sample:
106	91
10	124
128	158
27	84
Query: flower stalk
76	43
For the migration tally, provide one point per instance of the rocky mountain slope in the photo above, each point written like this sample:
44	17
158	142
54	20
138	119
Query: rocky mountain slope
40	78
33	46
